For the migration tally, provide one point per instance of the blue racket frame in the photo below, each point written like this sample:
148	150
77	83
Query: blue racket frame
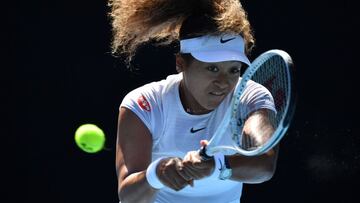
230	117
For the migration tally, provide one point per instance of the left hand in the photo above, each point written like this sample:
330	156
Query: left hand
196	168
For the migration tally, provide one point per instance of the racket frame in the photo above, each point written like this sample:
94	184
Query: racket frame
228	120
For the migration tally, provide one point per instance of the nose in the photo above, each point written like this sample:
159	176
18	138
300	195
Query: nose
222	81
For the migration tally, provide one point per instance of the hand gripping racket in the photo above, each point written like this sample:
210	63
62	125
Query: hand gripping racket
274	70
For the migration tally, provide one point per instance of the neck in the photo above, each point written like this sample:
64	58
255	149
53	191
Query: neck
189	103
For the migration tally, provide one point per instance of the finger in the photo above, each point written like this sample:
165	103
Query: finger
187	174
181	179
187	157
169	176
199	170
181	172
174	180
195	162
184	174
172	183
191	182
191	156
192	172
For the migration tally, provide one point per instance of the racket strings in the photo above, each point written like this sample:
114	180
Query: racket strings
272	74
274	70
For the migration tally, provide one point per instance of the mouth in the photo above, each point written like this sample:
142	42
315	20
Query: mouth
219	94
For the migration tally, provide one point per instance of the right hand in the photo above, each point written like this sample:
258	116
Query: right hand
169	169
196	167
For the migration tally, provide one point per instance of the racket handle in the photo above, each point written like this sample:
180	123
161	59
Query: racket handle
203	154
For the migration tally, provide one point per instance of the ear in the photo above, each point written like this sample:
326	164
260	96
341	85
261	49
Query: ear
180	63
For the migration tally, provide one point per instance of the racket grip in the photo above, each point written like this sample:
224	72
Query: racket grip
203	154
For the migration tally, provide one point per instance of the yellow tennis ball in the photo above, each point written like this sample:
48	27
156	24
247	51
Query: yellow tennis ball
90	138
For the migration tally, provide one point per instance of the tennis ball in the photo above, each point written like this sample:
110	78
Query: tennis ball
90	138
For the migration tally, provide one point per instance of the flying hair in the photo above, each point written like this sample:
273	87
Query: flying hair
135	22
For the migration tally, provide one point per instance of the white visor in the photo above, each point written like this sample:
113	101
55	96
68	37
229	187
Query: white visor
213	49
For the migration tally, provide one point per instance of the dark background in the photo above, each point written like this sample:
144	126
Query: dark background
57	72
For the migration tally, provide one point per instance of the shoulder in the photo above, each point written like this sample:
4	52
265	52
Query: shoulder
147	101
159	87
256	96
155	90
152	95
254	89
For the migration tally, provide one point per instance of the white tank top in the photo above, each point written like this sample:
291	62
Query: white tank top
175	132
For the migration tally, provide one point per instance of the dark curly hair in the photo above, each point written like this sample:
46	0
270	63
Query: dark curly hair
135	22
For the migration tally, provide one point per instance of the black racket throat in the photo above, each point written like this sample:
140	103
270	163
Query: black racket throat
203	154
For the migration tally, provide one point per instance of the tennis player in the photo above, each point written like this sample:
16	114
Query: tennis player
162	124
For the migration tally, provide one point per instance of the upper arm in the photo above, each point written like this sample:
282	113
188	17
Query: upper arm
258	126
133	146
257	130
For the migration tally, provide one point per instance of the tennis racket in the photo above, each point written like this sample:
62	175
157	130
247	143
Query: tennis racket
274	70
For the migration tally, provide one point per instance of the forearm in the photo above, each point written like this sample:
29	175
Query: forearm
135	188
256	169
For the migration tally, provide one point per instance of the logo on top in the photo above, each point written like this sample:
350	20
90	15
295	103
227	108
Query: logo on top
143	103
222	41
192	130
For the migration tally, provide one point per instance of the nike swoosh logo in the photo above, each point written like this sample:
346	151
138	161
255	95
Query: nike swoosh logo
192	130
222	41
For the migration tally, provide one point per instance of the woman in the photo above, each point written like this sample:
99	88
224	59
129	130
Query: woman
163	124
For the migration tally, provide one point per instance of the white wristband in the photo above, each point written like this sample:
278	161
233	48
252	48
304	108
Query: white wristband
219	159
151	176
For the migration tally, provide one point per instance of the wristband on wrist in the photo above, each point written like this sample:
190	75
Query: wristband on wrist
151	175
219	160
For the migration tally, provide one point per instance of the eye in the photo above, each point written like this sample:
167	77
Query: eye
213	69
235	70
